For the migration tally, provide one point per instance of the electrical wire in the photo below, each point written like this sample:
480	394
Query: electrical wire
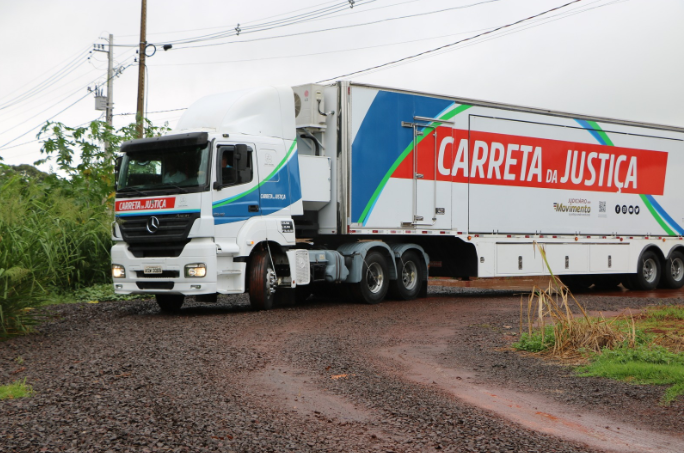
353	49
59	75
426	52
24	153
71	58
425	13
66	108
535	23
269	25
150	113
59	102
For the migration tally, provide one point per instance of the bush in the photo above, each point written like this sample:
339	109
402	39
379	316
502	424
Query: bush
49	242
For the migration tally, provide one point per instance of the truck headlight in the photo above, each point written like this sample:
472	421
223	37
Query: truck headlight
195	270
118	271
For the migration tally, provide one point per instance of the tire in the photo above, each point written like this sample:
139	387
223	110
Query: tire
648	273
263	282
411	277
374	283
673	276
169	303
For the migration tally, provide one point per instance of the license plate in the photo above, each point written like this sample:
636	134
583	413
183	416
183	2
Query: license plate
152	269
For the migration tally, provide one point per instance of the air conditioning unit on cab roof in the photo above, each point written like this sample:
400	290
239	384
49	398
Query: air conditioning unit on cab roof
309	102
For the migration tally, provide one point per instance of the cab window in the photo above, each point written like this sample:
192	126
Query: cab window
232	171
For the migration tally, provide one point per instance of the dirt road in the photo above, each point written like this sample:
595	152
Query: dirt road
428	375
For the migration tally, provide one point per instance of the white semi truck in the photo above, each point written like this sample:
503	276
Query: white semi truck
280	191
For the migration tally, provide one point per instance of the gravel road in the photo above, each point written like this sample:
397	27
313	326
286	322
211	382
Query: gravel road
427	375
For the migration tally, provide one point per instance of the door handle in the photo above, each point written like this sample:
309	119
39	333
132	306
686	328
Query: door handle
253	208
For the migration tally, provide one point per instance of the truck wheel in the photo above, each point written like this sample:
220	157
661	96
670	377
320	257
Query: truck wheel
674	271
411	276
263	282
648	273
374	284
169	303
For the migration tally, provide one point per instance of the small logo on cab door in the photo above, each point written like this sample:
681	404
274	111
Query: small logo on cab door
153	224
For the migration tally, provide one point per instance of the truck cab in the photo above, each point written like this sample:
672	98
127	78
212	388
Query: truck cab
194	207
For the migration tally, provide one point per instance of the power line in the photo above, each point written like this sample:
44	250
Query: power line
426	52
159	111
57	103
264	26
321	53
342	27
49	70
59	75
535	23
66	108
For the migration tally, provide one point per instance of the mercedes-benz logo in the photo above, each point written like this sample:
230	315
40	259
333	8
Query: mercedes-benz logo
152	224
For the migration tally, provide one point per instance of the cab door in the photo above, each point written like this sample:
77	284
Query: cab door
235	194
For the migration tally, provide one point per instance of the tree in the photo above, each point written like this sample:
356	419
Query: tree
95	146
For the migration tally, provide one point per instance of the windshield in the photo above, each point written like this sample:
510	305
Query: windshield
178	169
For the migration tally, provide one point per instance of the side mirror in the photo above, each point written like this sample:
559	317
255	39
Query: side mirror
117	167
242	157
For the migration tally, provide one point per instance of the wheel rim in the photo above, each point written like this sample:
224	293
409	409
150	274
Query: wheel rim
650	270
409	275
271	282
677	269
375	278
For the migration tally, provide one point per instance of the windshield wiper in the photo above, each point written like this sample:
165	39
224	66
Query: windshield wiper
169	184
131	189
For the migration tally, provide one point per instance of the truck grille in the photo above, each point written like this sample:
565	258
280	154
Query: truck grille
163	274
154	236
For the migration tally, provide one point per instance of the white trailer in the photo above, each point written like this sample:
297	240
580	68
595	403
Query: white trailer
283	190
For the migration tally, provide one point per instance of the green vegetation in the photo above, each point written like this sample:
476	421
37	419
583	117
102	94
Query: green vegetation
17	389
55	231
536	343
642	349
644	364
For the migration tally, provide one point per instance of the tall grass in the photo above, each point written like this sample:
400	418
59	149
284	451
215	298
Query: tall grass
644	349
50	241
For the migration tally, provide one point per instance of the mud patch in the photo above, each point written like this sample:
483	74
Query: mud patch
420	363
298	393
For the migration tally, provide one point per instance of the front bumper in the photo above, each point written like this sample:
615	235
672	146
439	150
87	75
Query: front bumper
223	274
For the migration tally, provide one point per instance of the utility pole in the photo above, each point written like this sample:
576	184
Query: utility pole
110	76
141	72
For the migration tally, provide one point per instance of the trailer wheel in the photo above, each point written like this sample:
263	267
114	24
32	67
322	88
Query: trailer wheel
648	273
263	282
674	271
374	284
169	303
411	276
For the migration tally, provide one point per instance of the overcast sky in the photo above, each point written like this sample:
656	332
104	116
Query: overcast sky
612	58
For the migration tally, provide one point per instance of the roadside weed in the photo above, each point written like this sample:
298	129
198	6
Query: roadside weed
645	348
17	389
